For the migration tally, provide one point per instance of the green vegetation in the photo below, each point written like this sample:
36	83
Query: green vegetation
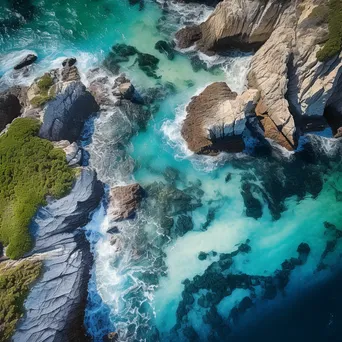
334	43
321	13
14	287
44	85
30	169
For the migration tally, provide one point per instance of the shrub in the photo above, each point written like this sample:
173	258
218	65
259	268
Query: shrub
30	169
44	84
334	43
14	287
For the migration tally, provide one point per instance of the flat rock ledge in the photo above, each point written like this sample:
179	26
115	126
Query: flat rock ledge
55	306
216	119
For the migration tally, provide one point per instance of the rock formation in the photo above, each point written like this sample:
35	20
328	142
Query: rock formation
296	89
55	306
124	201
65	115
216	119
73	152
9	109
28	60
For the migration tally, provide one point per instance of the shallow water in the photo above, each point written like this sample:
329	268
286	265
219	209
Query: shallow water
194	203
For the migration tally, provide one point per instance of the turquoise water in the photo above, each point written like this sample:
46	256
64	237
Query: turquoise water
195	203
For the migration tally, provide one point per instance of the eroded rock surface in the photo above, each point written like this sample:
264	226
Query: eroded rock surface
124	201
216	119
298	92
65	115
9	109
55	306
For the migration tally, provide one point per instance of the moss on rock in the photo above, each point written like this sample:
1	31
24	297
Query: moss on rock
334	43
45	94
30	169
15	283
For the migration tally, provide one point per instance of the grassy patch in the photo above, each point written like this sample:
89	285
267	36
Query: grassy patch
334	43
30	169
14	287
44	84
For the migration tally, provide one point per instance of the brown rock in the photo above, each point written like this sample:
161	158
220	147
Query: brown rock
187	36
270	128
216	119
339	133
127	90
124	201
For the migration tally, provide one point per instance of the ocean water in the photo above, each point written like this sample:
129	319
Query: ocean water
212	253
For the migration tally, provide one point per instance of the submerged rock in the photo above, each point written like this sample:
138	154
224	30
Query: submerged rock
253	205
148	64
56	303
124	201
166	48
28	60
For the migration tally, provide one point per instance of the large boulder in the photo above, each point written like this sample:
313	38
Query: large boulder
124	201
65	115
9	109
28	60
56	303
216	119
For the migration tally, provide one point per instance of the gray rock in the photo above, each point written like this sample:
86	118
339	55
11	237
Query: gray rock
28	60
9	109
65	116
55	305
74	154
69	62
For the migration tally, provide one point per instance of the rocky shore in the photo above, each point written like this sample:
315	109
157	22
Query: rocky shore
56	303
290	91
55	306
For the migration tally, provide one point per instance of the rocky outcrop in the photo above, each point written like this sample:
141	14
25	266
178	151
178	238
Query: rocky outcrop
244	24
28	60
296	89
65	115
9	109
216	119
124	201
73	152
55	306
